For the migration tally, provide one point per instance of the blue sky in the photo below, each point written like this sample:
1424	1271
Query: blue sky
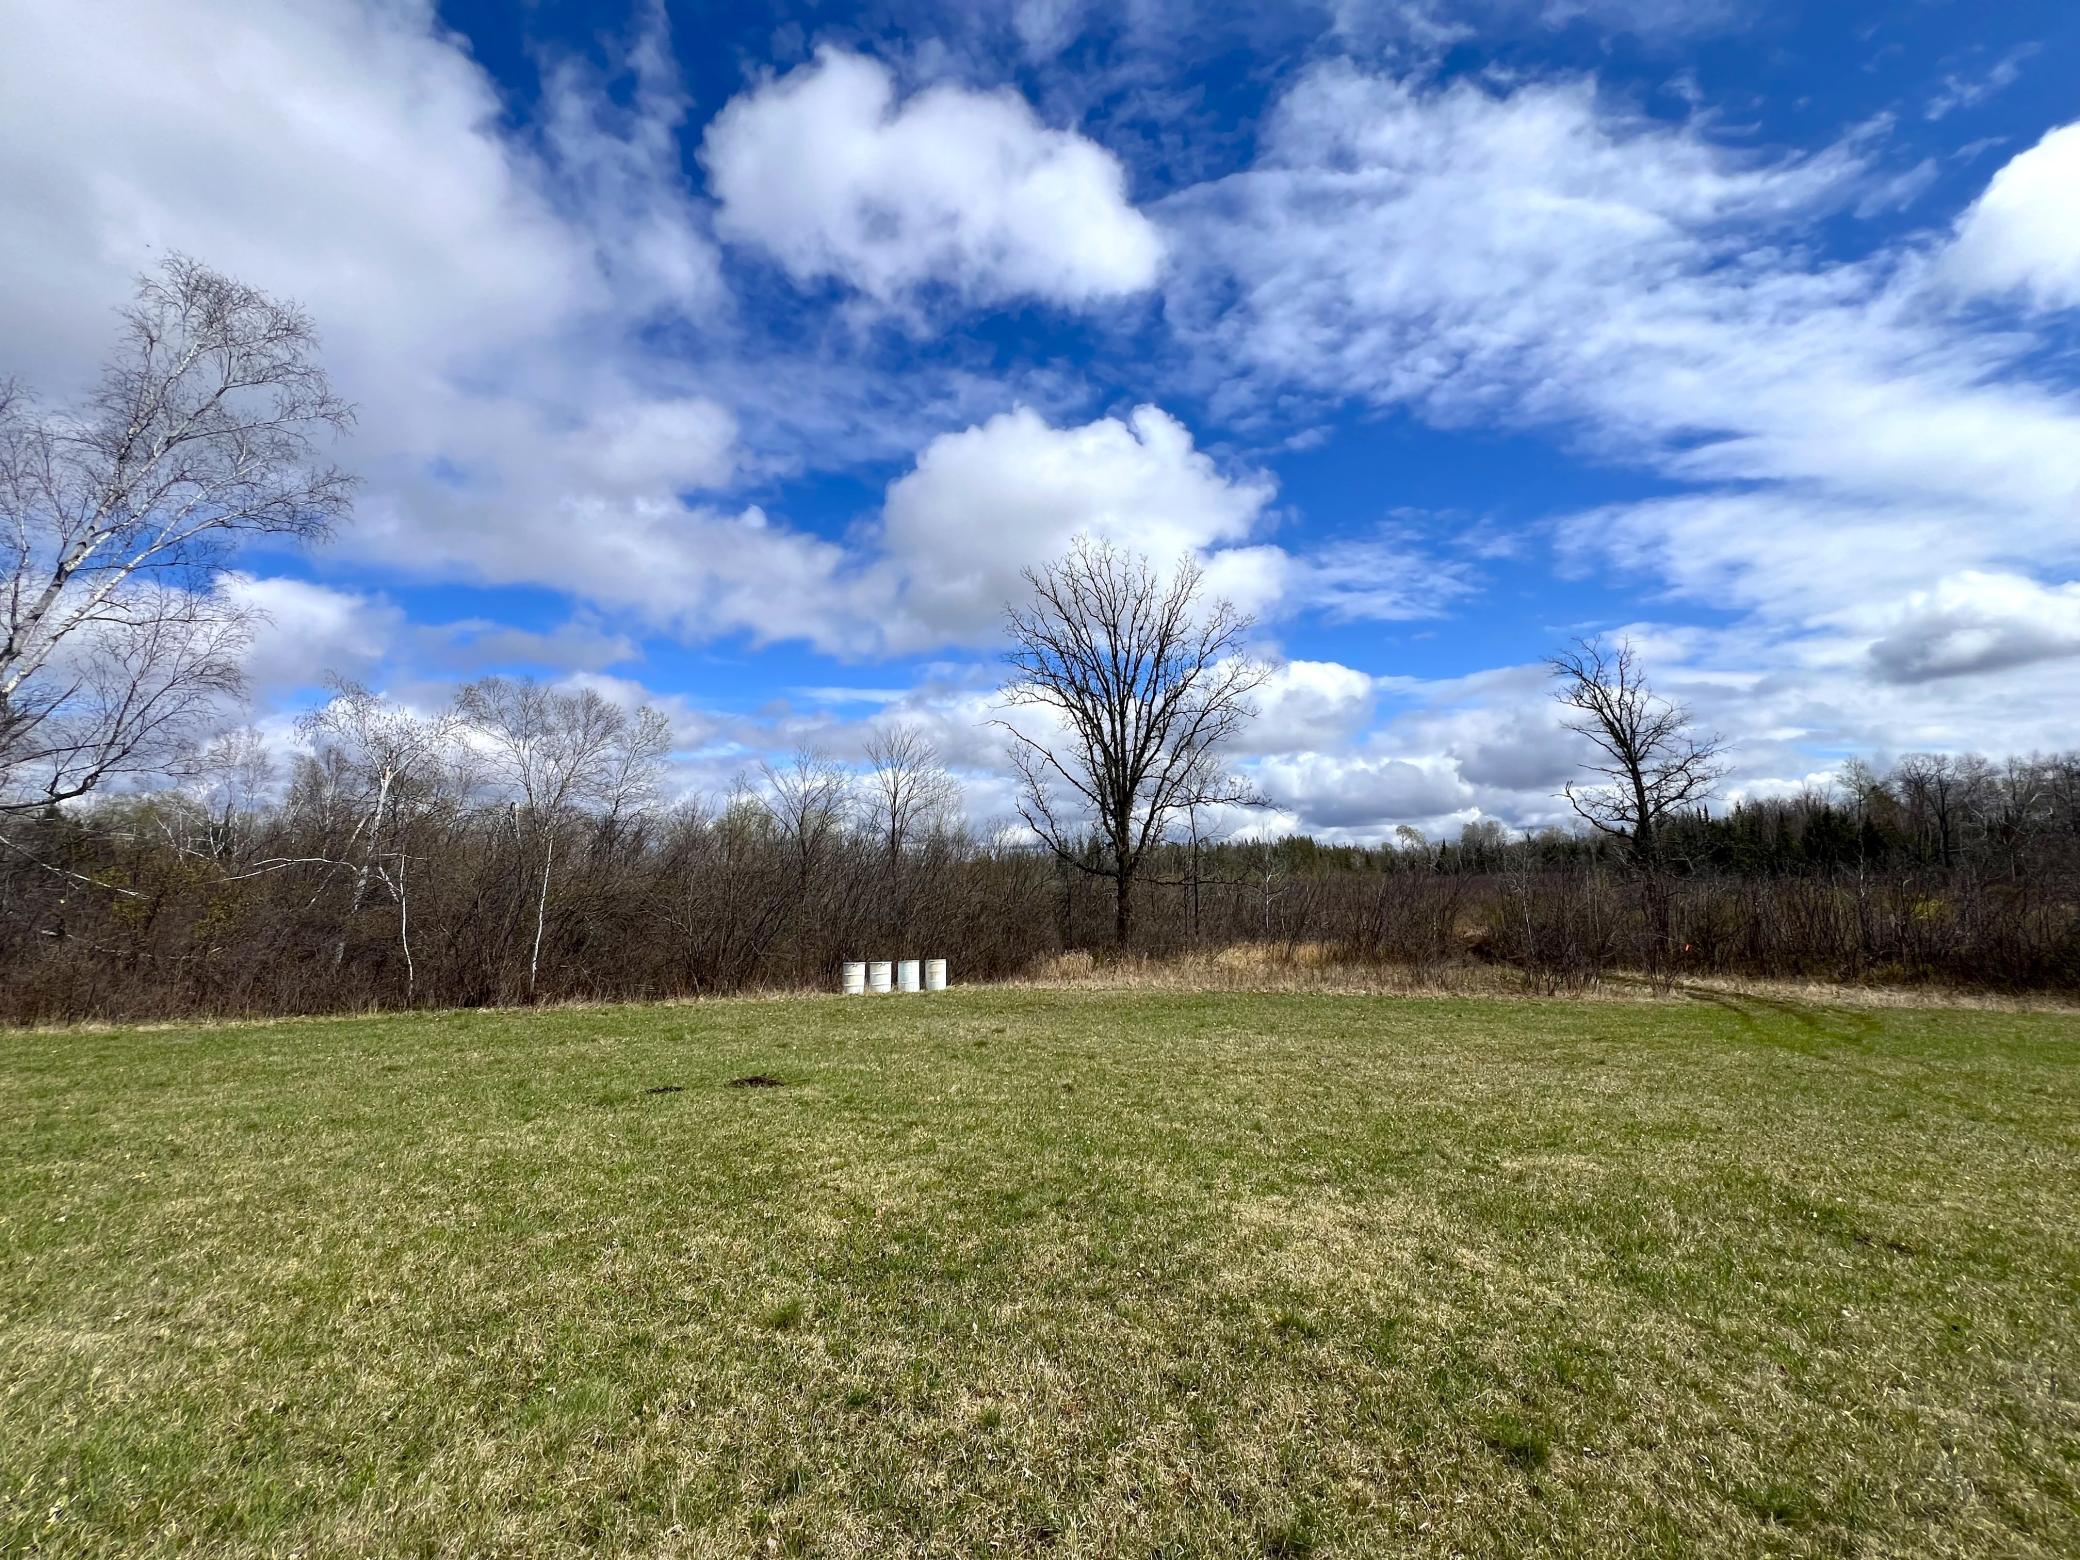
737	358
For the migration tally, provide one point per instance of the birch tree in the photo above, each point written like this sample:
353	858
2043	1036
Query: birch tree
386	751
116	518
556	750
234	775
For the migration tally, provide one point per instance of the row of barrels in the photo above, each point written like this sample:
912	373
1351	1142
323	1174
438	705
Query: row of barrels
870	976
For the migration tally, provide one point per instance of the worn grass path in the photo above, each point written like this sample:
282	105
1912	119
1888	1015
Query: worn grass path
1047	1273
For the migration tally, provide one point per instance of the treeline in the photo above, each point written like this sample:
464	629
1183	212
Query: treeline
1929	810
517	850
1946	869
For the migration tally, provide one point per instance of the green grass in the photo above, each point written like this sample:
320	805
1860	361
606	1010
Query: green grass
1069	1273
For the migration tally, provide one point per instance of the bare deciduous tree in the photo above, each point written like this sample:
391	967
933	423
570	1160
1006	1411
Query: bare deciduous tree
554	750
233	777
125	695
630	781
1145	684
1653	763
204	427
1207	790
807	800
383	748
908	792
1940	790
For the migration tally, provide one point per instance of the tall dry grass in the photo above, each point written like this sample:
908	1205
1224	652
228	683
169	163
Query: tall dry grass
1315	968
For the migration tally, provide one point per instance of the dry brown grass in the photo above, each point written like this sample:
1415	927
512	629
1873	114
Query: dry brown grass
1271	968
1307	968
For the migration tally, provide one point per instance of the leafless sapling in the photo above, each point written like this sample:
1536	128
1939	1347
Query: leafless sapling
553	750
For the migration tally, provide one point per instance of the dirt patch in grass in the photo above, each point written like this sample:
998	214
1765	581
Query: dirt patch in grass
758	1081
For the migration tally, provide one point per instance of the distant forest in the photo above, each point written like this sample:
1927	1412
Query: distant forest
393	869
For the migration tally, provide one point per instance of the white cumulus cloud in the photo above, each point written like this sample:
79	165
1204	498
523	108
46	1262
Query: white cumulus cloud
829	173
304	631
484	296
1974	622
1307	705
2023	235
986	502
1360	796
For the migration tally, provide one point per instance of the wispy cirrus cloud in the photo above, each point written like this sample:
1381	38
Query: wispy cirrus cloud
1535	258
1962	91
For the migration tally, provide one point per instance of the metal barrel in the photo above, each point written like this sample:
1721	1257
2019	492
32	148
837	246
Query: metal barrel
907	978
934	974
855	978
877	975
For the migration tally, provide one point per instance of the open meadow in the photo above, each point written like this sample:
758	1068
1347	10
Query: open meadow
1047	1272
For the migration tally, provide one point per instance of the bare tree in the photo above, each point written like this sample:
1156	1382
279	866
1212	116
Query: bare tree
384	749
1652	762
204	427
2013	808
124	695
1206	790
2062	792
807	800
1143	684
233	776
631	778
555	750
1940	790
908	792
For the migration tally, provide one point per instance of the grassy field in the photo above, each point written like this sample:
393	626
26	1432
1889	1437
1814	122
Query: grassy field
1047	1272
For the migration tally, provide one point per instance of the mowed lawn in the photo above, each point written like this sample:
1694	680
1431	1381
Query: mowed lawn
1002	1272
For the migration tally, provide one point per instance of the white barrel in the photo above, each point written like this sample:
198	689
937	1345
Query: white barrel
877	975
907	976
934	974
855	978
